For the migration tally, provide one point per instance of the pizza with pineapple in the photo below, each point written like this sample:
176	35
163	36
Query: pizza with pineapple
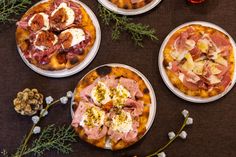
55	34
199	60
130	4
111	107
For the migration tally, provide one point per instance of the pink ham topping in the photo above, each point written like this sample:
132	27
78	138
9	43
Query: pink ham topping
131	105
129	136
218	46
132	86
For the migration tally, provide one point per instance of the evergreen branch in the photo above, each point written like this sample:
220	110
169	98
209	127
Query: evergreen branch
121	23
12	7
53	138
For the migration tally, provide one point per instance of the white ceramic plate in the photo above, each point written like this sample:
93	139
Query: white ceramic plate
90	56
152	111
112	7
177	91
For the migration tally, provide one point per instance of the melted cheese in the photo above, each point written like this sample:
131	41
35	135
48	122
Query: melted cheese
100	94
178	55
214	69
93	117
181	77
70	13
198	67
45	21
78	35
120	94
221	60
190	44
213	79
122	122
42	48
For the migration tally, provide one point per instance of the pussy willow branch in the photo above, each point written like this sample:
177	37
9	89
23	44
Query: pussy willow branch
26	140
172	140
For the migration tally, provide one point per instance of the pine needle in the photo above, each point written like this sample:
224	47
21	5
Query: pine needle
122	23
12	7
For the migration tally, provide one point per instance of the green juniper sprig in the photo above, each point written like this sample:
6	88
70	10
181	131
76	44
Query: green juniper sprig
53	138
12	7
122	23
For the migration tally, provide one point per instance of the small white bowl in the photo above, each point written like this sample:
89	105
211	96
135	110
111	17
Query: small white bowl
88	59
176	91
152	110
112	7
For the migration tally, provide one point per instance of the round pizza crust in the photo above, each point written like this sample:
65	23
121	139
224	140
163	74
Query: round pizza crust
175	90
106	144
112	7
88	59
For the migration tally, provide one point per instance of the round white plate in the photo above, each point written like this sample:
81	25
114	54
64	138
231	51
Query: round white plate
152	111
112	7
88	59
177	91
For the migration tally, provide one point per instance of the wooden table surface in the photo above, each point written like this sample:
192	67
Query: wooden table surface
213	132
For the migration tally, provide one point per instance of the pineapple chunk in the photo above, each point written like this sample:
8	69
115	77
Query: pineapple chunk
189	64
203	45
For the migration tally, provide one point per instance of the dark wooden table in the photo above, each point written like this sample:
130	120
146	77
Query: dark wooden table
213	132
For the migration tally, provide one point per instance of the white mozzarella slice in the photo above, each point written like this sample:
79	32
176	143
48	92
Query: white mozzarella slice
122	122
45	21
93	117
78	35
42	48
120	95
70	13
101	94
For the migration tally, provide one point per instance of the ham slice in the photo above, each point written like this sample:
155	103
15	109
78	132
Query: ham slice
81	109
110	81
219	39
190	85
96	132
22	24
225	82
85	93
130	136
195	53
223	70
136	107
132	86
180	43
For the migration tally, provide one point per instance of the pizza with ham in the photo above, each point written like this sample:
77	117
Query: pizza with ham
111	107
130	4
55	34
199	60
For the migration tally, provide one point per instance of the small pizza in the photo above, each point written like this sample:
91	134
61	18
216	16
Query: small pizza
199	60
55	34
130	4
111	107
